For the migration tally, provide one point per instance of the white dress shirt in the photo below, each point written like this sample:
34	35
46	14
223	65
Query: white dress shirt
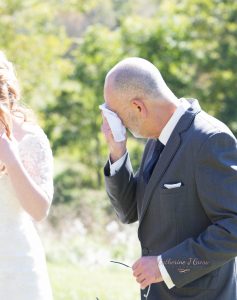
164	137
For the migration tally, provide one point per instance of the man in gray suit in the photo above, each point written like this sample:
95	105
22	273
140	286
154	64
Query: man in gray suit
184	194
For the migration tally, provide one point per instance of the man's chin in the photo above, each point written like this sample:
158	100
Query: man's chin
137	135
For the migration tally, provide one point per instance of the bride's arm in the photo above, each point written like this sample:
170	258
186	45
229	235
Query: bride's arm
31	196
30	172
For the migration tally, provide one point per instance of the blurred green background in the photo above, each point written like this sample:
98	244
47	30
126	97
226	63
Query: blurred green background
62	51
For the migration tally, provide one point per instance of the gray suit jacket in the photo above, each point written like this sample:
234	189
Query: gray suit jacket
193	227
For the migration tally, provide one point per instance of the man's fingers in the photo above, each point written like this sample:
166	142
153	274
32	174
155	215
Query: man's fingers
105	122
145	283
136	273
140	278
108	135
136	265
146	271
117	149
105	128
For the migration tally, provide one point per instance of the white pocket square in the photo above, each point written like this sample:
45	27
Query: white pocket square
172	185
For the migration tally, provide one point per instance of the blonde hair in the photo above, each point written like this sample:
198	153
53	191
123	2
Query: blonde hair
10	97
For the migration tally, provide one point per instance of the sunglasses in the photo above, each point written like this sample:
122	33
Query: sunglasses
127	266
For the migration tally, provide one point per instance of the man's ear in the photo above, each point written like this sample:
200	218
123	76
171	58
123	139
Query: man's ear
139	106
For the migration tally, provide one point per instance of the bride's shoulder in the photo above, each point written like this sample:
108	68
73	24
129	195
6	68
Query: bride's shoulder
35	152
33	131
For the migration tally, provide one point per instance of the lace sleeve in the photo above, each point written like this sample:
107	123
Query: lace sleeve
37	158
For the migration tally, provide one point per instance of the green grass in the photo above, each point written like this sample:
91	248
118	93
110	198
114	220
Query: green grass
77	282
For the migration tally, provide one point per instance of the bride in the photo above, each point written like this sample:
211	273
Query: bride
26	191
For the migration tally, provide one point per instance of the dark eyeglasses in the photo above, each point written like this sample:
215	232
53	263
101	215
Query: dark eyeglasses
122	264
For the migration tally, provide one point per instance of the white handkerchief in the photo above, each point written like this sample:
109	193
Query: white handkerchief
172	185
115	124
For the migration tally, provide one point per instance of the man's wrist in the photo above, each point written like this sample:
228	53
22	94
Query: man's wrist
164	273
114	157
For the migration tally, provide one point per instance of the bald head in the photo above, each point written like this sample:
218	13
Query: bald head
137	78
136	91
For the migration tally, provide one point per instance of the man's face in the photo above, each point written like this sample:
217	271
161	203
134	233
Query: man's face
124	111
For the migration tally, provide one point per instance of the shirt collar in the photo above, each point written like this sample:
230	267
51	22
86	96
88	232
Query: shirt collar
170	125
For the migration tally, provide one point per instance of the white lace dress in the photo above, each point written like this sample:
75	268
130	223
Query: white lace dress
23	272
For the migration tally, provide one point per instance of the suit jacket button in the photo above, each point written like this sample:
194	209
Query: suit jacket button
145	251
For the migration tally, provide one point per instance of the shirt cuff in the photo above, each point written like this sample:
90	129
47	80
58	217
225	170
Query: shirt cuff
165	275
115	167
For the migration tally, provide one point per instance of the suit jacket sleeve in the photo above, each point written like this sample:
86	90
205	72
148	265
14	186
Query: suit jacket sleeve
121	189
216	183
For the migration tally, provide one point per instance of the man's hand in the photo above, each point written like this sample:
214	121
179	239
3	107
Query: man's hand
117	149
146	271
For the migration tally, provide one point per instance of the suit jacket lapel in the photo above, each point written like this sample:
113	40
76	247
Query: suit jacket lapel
168	153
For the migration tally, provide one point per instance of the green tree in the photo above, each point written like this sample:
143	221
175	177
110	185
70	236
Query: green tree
30	37
211	33
75	120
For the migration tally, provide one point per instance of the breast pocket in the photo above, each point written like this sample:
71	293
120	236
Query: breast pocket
172	191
